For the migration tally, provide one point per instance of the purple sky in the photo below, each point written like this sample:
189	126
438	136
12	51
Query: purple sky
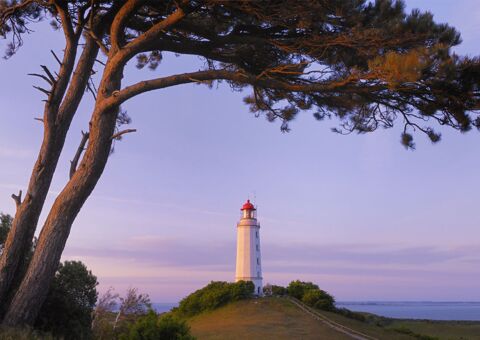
359	215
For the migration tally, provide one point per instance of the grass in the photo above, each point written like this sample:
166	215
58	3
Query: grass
271	318
274	318
443	330
278	318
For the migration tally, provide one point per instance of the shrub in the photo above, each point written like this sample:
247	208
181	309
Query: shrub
298	288
319	299
67	311
153	327
279	290
311	295
214	295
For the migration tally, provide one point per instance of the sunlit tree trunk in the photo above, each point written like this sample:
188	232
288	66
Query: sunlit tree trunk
33	290
20	237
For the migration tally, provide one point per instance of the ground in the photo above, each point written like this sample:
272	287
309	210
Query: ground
278	318
267	318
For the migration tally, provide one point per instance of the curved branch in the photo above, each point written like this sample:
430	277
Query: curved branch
121	96
118	24
136	45
121	133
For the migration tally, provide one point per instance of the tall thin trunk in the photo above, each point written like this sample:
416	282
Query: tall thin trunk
28	212
34	287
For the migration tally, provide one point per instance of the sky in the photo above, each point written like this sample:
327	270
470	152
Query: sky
359	215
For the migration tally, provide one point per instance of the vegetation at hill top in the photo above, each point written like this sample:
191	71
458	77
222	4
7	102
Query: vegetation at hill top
214	295
369	64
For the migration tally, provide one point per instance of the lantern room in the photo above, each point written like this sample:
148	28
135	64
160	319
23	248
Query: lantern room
248	210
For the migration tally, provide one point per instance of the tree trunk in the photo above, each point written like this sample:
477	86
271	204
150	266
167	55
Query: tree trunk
34	288
26	218
28	212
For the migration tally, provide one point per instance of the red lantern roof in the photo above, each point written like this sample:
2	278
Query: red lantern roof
248	206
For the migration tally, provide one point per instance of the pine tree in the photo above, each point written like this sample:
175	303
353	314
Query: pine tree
368	64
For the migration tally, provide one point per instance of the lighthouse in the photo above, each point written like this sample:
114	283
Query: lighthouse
249	262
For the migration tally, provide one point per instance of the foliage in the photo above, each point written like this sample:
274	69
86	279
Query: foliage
104	315
8	333
153	327
114	314
132	306
67	312
310	294
274	290
319	299
5	225
298	288
214	295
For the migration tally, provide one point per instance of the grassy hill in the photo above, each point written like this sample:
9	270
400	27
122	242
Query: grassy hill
278	318
270	318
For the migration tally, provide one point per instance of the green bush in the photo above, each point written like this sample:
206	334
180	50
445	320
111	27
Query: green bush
153	327
67	311
298	288
279	290
214	295
311	295
319	299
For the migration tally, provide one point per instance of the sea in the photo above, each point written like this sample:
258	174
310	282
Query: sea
467	311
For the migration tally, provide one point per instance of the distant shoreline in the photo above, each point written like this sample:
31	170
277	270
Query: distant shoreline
407	310
418	310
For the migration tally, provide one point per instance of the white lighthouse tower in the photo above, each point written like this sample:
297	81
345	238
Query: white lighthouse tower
249	262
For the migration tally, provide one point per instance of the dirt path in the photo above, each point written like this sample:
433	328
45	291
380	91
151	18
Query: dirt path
335	325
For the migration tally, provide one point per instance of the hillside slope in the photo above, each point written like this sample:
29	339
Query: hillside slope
273	318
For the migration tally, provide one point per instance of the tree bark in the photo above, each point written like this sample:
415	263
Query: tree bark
33	290
57	119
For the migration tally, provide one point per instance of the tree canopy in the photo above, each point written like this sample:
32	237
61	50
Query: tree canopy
367	63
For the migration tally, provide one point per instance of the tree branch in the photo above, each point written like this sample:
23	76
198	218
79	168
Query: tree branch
17	198
118	24
56	58
136	45
66	20
119	134
236	76
80	79
80	149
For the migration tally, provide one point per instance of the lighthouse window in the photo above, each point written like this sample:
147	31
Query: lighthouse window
258	248
256	233
258	260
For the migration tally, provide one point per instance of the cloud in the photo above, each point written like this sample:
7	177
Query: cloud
171	268
154	250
